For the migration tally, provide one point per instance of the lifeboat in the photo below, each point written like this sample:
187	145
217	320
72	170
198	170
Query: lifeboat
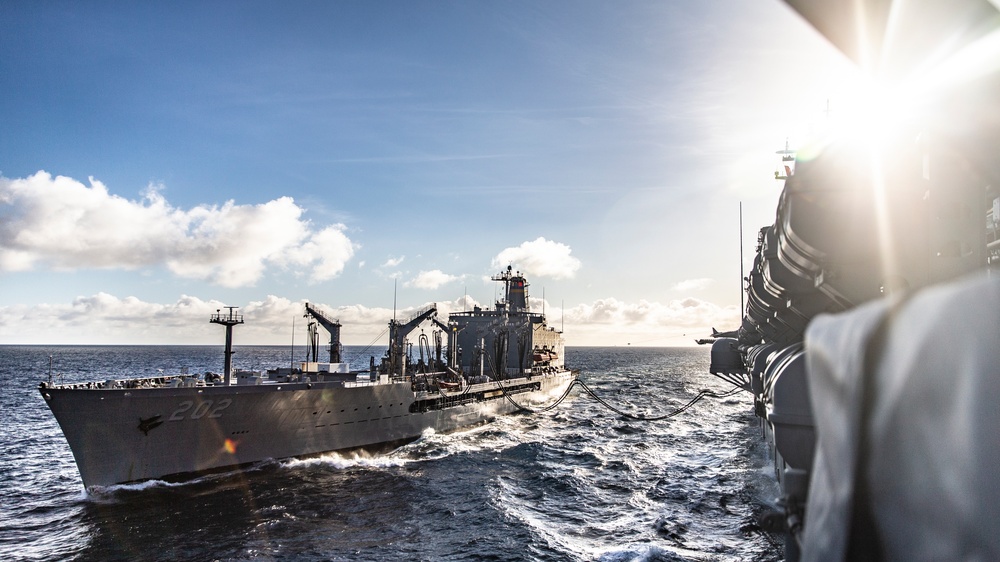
544	354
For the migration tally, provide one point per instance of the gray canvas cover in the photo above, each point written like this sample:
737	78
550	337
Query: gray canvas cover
933	468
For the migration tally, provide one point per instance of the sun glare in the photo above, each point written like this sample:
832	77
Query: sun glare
892	121
866	112
873	110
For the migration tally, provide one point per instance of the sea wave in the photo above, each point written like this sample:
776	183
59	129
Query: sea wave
577	483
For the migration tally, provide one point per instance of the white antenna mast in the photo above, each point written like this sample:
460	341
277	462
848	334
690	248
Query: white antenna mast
741	258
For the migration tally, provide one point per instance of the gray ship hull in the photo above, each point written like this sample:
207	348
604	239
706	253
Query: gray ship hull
129	435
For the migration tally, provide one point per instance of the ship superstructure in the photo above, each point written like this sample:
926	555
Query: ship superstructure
509	340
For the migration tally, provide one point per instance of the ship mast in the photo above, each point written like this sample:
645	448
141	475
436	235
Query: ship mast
228	320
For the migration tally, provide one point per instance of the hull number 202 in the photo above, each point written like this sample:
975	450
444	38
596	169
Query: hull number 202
205	408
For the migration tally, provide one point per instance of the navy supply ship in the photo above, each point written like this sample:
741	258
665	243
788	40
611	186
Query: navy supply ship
869	341
174	427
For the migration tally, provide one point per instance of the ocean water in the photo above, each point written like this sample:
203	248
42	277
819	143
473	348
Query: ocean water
576	483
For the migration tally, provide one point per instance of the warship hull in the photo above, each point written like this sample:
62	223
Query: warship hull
177	426
122	435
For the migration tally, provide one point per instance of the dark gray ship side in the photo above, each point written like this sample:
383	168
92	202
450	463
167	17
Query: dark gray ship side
869	341
173	427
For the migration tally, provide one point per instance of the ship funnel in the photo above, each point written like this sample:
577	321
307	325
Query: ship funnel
517	294
516	290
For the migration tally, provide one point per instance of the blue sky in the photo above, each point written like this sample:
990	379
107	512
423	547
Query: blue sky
159	161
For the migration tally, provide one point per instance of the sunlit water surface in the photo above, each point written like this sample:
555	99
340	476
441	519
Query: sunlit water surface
576	483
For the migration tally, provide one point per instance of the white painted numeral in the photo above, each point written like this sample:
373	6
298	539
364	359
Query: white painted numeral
204	407
178	414
222	405
201	410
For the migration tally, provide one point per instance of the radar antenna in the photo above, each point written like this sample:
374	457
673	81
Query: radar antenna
787	162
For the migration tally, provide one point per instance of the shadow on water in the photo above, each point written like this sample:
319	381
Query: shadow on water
257	514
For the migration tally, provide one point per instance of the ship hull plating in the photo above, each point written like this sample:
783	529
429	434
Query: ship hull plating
130	435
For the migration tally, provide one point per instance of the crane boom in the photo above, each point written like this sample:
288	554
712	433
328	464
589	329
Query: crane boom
331	325
398	332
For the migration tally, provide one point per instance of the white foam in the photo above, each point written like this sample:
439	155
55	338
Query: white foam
354	460
106	493
641	553
506	499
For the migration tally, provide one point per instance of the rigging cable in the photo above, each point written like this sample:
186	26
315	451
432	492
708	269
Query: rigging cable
681	409
369	346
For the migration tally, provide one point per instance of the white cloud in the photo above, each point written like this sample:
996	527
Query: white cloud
327	251
541	258
62	224
693	284
430	279
105	318
393	262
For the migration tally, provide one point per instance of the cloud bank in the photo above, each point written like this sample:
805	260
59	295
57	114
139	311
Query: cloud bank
693	284
430	279
106	319
62	224
689	312
103	318
611	321
540	258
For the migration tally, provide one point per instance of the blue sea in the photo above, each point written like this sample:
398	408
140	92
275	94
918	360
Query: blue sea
576	483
